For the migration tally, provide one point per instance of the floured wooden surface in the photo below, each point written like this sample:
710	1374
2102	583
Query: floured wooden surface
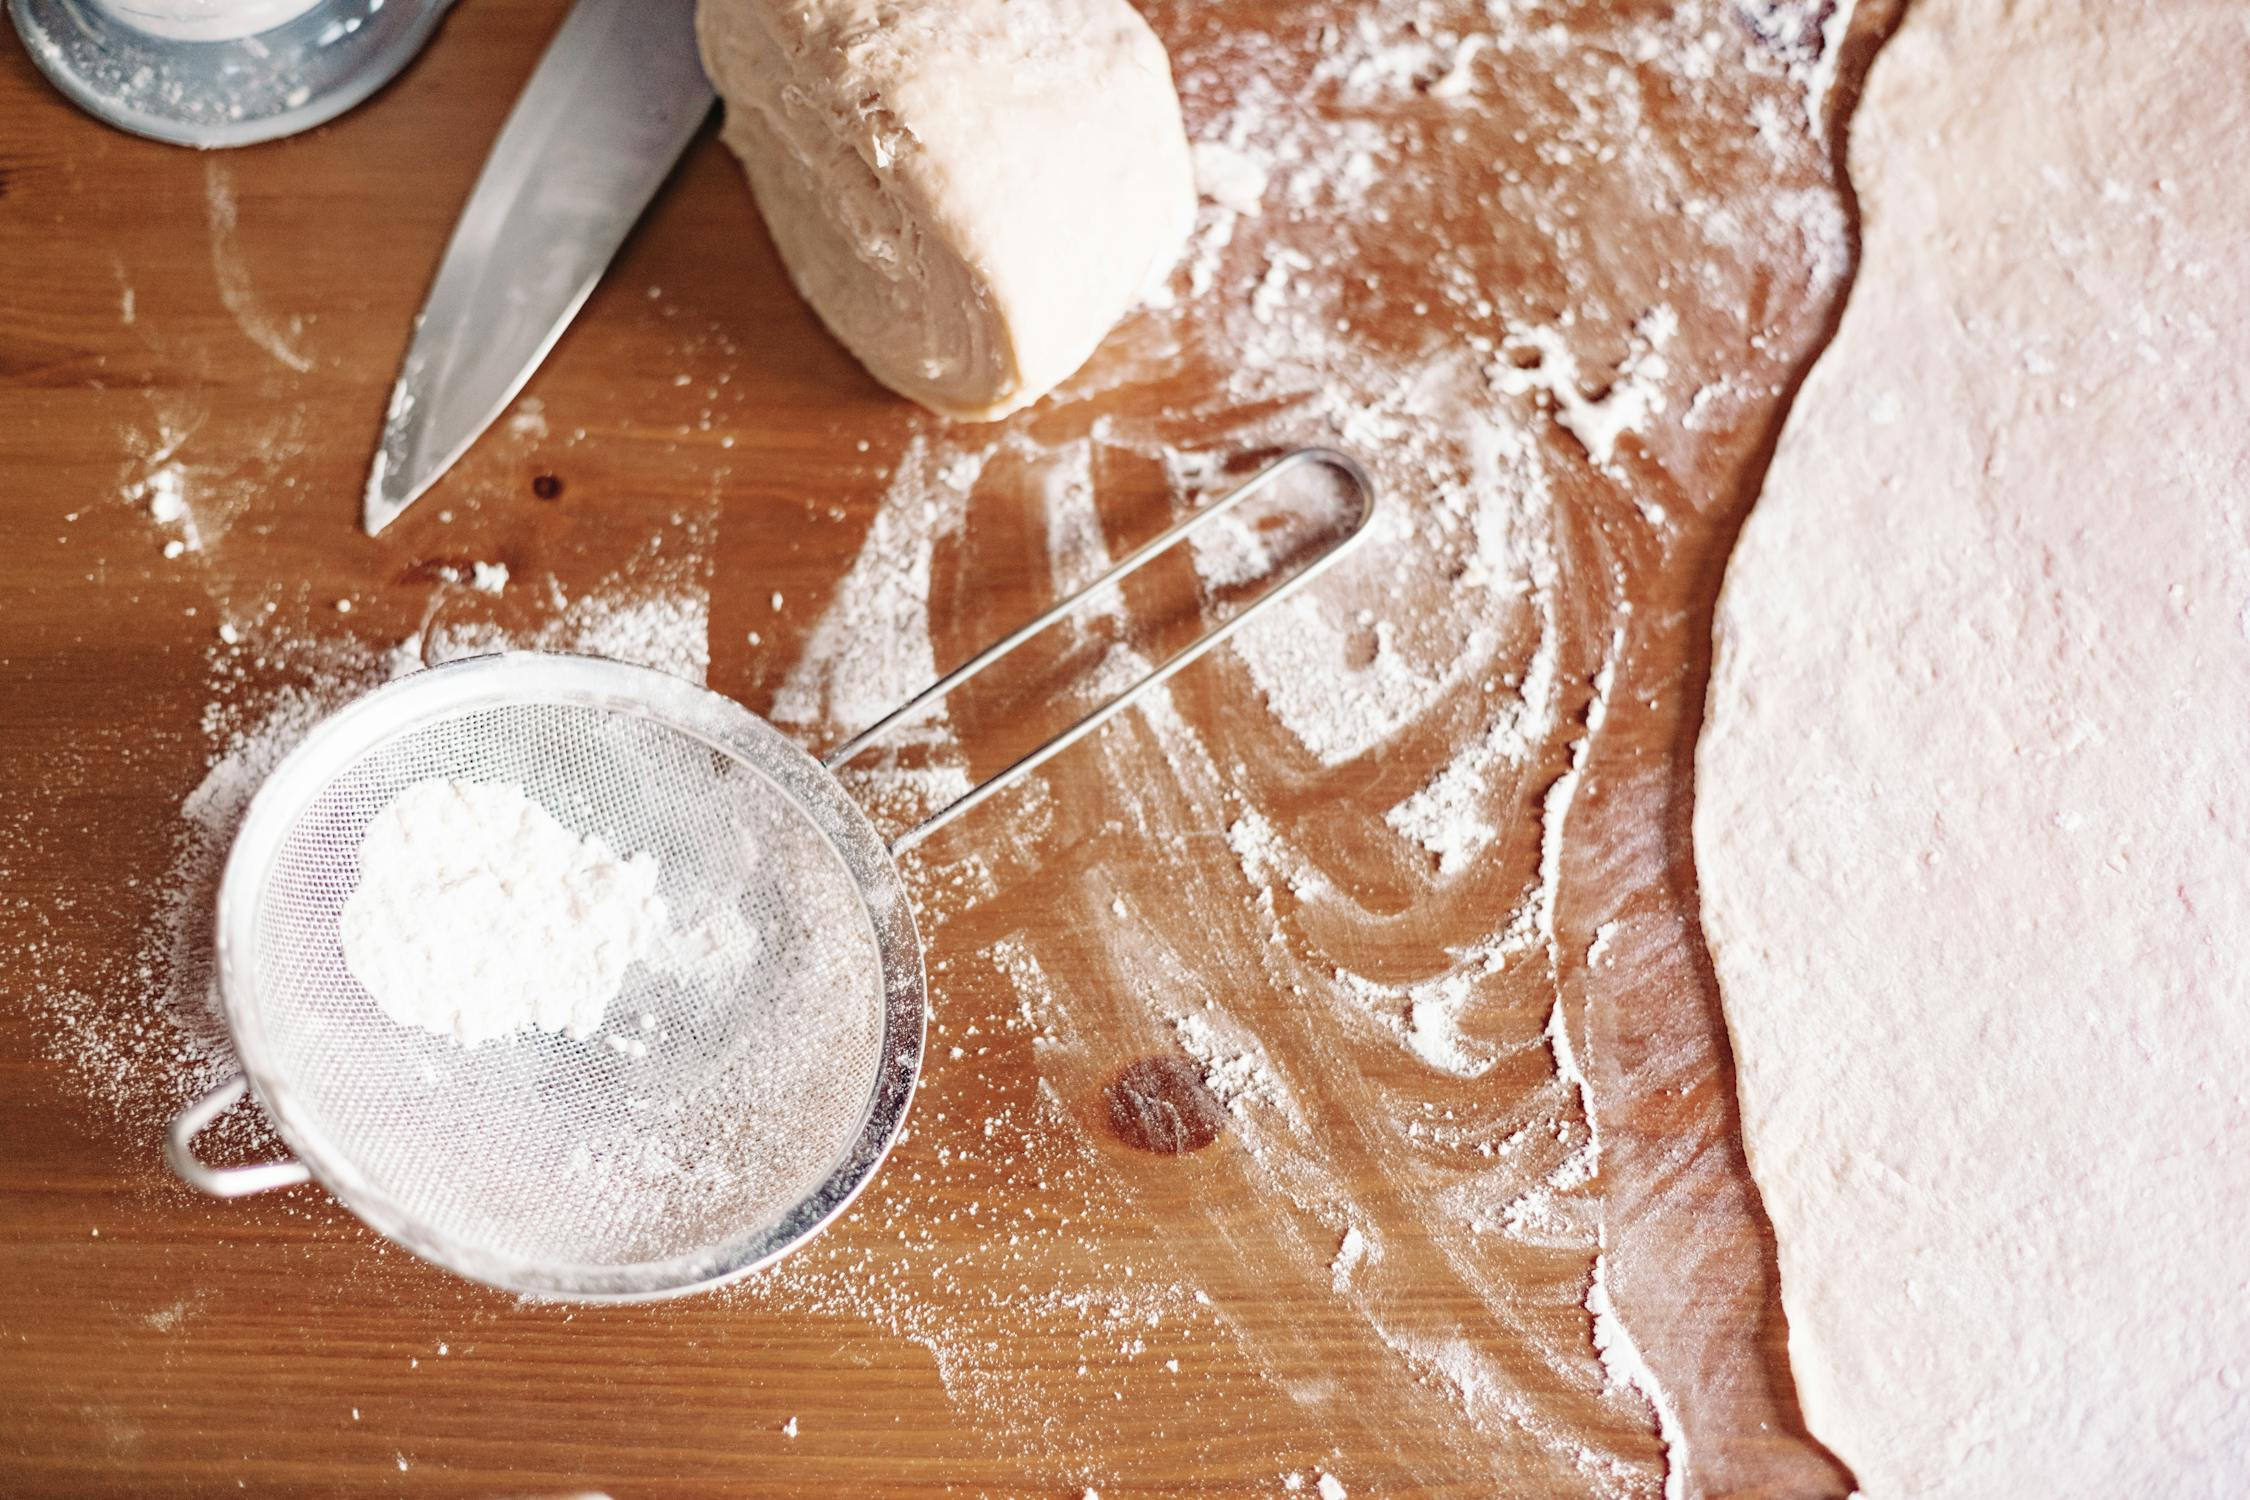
1325	1076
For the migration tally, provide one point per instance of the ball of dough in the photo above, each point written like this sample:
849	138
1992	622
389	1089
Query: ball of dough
969	192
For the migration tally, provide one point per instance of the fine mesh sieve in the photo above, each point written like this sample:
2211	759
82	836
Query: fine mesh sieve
743	1086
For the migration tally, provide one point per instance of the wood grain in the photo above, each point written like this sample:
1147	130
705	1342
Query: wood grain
152	1342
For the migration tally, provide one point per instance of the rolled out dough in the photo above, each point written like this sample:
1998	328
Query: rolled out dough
969	193
1973	796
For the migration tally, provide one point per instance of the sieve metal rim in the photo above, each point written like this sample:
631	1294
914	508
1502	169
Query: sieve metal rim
522	679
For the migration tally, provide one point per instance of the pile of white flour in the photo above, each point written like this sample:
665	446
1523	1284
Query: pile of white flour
478	915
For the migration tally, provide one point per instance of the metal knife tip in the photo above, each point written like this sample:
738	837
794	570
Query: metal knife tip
389	492
377	508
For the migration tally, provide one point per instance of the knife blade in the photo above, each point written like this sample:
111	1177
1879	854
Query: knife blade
615	99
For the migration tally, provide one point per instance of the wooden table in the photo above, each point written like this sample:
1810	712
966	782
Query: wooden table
1029	1300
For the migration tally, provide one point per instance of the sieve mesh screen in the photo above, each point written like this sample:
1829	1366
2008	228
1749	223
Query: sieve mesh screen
728	1079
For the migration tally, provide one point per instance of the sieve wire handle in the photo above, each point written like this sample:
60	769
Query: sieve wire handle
929	697
223	1182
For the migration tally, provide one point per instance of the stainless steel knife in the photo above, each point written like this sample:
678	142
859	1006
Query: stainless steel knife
612	104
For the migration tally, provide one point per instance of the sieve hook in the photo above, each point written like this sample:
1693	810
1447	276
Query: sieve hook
223	1182
930	696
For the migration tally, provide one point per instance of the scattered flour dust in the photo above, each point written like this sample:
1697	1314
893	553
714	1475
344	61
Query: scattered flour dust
1630	399
1350	1251
258	324
477	914
870	651
1624	1364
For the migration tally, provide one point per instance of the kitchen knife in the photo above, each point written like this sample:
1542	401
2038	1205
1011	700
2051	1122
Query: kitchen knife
612	104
